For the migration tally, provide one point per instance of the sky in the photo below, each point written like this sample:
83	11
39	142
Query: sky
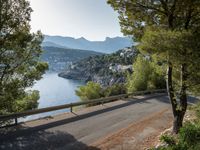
91	19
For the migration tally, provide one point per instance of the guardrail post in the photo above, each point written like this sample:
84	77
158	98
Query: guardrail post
16	121
71	109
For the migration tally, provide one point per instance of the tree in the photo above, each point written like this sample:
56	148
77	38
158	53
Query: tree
20	64
147	74
179	20
138	81
90	91
115	89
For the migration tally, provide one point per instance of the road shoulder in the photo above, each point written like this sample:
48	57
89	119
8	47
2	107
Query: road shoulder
137	136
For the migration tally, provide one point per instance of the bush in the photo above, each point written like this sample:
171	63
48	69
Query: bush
188	138
170	140
90	91
116	89
93	91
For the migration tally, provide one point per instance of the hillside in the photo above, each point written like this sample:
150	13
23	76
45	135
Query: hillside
59	58
109	45
105	69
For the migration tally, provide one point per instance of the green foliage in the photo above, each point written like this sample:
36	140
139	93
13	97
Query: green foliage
90	91
136	15
139	80
28	102
190	136
180	47
93	91
187	139
20	53
170	140
146	75
168	29
196	108
115	89
164	31
157	77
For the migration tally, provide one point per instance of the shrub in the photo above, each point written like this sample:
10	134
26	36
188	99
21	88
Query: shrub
170	140
189	136
116	89
93	91
90	91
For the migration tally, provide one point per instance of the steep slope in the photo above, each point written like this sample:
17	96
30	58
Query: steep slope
59	58
109	45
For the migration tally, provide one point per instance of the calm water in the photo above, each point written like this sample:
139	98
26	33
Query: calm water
55	91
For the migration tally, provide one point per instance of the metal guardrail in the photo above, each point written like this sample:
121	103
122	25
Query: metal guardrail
15	116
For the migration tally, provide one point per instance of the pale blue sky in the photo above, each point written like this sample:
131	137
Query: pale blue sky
92	19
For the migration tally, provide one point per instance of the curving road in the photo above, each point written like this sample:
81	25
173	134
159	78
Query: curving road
77	131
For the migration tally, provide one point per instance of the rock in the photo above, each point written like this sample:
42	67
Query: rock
164	145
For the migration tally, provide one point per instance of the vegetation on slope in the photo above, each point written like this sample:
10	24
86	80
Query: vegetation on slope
147	75
106	69
189	136
59	58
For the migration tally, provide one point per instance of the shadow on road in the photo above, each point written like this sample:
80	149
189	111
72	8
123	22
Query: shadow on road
43	140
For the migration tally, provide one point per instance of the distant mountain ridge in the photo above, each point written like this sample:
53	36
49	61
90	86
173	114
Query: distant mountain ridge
109	45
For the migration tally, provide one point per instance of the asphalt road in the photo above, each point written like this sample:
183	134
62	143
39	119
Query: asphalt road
77	131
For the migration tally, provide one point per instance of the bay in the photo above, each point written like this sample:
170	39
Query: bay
54	91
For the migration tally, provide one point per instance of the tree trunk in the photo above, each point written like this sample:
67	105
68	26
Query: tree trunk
170	89
178	113
178	121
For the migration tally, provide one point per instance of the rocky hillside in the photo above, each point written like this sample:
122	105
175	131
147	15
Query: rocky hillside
105	69
60	58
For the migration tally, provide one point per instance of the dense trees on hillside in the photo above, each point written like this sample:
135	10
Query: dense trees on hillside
168	29
19	57
94	90
147	74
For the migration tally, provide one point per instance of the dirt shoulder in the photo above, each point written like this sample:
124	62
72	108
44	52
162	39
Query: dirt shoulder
137	136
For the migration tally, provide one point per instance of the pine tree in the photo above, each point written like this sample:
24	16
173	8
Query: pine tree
170	30
20	50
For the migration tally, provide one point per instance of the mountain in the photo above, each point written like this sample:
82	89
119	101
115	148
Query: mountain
60	58
109	45
52	44
106	69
